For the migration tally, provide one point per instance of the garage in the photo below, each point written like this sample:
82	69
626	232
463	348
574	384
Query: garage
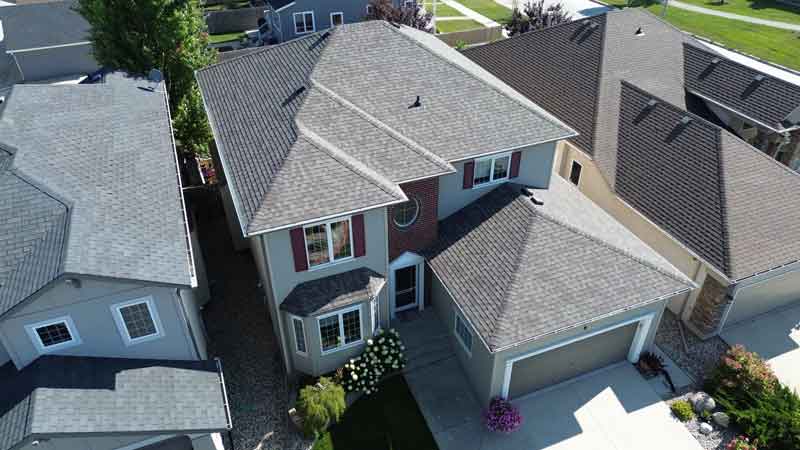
763	297
542	369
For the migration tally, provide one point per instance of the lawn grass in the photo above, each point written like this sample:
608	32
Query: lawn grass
488	8
389	419
762	9
449	26
443	10
227	37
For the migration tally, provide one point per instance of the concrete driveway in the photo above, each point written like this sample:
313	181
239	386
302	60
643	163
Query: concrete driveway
775	336
613	409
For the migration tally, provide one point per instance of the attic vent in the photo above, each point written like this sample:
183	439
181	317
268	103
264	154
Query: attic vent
652	103
593	25
716	61
417	103
759	78
536	201
639	32
686	120
294	95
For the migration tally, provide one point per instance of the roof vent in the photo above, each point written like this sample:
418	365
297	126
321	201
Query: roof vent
294	95
639	32
759	78
593	25
716	61
686	120
652	103
417	103
535	201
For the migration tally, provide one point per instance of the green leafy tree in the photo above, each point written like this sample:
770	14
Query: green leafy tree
413	16
536	16
170	35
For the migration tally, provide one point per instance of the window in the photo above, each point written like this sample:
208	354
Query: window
405	214
337	19
410	3
53	334
299	335
340	329
463	333
304	22
328	242
492	169
369	9
575	173
137	320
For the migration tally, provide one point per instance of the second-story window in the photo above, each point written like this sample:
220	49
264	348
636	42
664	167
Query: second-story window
304	22
337	18
328	242
489	170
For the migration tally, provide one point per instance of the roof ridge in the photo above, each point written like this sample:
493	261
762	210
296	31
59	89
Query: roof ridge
377	123
723	201
538	31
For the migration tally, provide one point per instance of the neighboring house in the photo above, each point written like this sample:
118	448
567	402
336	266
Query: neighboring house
717	208
43	42
101	339
290	19
376	172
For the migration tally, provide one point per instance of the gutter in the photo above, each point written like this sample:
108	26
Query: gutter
228	416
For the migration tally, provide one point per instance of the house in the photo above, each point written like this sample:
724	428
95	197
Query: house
99	297
43	42
653	153
375	172
289	19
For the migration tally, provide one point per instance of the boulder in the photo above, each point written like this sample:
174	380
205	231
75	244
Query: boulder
721	419
706	428
702	402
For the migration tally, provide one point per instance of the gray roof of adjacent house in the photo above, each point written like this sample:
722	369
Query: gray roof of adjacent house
326	124
92	187
690	193
767	100
333	292
68	395
522	270
38	25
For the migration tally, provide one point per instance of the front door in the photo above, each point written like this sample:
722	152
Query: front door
405	291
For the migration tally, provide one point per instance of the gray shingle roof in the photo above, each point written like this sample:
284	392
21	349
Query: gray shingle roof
68	394
521	271
106	152
333	292
42	25
351	88
770	100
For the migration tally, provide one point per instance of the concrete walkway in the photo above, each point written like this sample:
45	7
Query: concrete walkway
481	19
727	15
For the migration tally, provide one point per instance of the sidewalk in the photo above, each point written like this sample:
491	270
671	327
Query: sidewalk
481	19
579	9
727	15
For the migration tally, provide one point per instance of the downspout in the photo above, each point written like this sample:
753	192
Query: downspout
14	55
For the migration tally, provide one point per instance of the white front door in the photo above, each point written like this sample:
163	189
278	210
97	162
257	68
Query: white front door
406	281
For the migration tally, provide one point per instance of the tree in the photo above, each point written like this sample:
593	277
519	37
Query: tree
536	17
170	35
406	15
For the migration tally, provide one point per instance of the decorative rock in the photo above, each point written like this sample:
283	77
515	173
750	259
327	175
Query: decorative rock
706	428
721	419
702	402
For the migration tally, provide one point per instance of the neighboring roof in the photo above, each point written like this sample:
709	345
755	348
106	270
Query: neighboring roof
42	25
770	101
520	271
278	4
709	189
333	292
104	153
70	395
341	91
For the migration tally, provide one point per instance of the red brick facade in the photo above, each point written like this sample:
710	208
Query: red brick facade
425	229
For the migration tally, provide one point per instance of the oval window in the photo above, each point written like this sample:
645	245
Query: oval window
405	214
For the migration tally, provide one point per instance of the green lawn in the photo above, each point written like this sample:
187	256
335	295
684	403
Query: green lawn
443	10
217	38
389	419
763	9
448	26
489	8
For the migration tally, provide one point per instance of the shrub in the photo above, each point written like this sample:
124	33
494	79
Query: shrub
320	405
682	410
502	416
742	374
741	443
383	355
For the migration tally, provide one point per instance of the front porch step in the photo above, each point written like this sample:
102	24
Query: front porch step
436	350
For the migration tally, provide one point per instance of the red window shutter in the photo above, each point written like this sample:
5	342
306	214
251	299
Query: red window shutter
359	240
299	249
469	174
515	158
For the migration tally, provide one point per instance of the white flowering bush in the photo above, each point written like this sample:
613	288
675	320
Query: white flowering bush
383	355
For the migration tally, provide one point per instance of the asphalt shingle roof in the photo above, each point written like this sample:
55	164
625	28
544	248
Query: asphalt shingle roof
42	25
521	271
769	100
351	89
69	394
104	152
333	292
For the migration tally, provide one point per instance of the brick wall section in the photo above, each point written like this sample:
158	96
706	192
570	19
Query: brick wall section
711	303
424	231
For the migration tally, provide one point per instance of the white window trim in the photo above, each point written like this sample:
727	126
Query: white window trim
337	13
329	237
123	329
313	22
341	313
37	341
409	3
580	175
369	9
292	317
492	179
458	318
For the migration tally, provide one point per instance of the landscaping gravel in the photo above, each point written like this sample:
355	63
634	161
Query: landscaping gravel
702	357
716	440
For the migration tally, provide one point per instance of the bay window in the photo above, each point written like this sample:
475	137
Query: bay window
340	329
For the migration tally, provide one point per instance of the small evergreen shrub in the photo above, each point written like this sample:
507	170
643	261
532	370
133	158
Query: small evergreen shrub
383	355
741	443
502	416
682	410
320	405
